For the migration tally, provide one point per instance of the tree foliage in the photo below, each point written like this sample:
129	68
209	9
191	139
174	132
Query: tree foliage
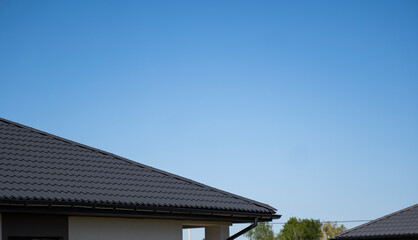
331	230
264	231
301	229
294	229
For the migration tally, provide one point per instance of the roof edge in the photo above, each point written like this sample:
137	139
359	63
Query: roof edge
129	210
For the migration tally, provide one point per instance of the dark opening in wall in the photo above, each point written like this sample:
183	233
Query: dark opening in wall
20	226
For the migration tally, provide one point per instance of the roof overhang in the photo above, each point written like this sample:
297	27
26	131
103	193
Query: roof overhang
128	211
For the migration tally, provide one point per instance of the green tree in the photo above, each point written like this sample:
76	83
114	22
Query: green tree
331	229
301	229
264	231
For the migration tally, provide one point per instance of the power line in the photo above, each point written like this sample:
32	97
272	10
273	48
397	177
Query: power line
342	221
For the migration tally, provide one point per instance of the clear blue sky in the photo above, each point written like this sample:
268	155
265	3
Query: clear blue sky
309	106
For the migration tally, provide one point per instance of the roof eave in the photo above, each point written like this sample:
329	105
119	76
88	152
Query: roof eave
129	211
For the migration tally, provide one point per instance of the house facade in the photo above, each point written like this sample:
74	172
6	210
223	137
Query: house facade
52	188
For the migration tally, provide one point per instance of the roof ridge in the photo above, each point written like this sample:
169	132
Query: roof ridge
273	210
378	219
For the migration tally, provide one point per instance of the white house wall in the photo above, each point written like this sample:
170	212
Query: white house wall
93	228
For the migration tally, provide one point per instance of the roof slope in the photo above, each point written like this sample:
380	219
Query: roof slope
400	224
35	165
